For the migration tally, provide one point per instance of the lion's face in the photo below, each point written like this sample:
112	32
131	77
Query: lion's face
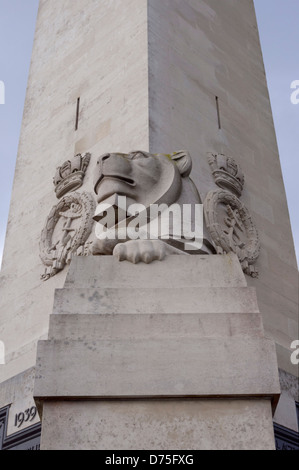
145	179
141	176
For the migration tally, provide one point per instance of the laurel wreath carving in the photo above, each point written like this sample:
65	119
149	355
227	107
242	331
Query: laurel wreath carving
86	201
247	254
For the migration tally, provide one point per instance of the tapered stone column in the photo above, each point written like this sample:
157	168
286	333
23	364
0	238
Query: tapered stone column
179	79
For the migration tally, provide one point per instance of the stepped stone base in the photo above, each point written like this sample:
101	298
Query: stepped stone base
170	355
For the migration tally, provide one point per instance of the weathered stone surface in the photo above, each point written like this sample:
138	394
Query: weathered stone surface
134	367
156	300
162	340
158	424
150	326
175	271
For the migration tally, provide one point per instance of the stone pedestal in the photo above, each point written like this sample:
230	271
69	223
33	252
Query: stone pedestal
170	355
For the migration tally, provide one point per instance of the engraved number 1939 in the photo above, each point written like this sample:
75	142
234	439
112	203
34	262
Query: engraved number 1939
27	415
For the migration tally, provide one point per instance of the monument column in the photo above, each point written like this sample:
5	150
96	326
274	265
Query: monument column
149	344
156	355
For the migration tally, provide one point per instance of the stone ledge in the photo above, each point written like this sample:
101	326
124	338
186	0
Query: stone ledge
174	271
154	326
158	424
153	300
209	367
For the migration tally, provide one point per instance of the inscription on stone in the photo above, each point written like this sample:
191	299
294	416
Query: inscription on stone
25	416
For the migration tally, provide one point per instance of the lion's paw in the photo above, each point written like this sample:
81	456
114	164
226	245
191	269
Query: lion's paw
145	251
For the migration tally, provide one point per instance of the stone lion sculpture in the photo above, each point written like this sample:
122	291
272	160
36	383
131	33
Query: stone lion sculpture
144	180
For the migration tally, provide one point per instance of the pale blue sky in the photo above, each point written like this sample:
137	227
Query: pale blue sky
279	32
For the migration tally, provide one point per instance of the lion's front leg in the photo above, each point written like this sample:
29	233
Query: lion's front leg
145	251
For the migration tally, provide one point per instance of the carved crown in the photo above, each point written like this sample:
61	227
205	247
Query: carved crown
227	173
70	175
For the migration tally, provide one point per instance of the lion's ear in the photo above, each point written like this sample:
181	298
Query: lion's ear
183	161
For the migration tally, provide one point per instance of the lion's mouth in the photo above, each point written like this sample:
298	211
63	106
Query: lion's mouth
123	179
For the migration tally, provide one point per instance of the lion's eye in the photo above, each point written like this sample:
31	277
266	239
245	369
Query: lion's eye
137	155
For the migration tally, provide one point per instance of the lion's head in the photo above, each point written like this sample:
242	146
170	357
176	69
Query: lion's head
143	177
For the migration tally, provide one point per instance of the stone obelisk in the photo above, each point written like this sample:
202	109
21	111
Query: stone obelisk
182	352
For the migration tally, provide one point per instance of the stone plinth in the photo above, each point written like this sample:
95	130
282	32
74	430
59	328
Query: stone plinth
141	356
